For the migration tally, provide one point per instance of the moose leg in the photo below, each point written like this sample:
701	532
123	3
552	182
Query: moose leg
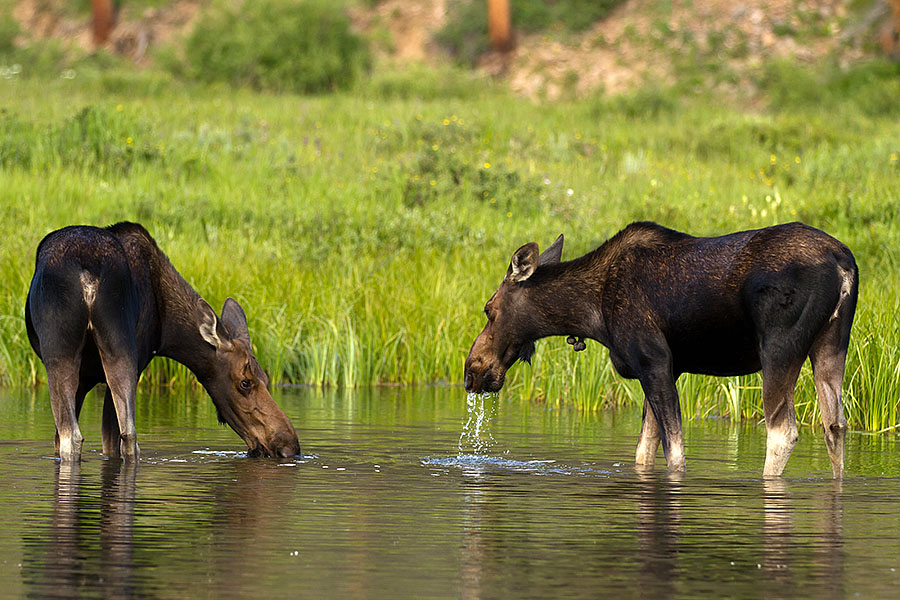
115	336
80	393
648	443
781	420
828	357
662	396
62	379
121	377
110	427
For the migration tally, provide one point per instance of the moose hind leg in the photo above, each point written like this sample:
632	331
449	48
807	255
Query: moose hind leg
121	377
781	419
648	443
62	379
828	359
115	334
110	427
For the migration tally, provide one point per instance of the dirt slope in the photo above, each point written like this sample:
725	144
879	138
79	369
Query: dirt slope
642	40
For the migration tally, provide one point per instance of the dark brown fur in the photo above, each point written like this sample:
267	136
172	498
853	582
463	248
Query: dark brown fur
103	303
667	303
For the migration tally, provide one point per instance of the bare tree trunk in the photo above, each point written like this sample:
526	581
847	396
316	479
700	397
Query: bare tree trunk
103	15
500	25
895	15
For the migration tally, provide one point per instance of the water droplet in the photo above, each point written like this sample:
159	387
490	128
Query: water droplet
476	434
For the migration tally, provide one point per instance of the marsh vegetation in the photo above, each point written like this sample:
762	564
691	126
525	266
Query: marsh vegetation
364	229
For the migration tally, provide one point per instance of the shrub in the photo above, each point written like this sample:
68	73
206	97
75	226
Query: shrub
465	34
9	29
278	45
450	164
871	87
572	15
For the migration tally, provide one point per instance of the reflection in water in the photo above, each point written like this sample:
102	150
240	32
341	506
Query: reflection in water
544	513
777	563
474	551
659	517
782	561
87	548
248	497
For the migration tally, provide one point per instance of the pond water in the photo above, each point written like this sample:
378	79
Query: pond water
390	500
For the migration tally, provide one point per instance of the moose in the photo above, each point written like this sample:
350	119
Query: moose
102	303
666	303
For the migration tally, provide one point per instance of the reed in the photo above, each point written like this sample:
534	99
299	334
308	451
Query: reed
363	233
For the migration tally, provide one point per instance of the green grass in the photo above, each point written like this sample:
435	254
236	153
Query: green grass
363	231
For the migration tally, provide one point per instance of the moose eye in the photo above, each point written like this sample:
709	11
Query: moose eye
246	384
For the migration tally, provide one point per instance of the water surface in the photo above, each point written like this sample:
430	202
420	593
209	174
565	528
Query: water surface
391	500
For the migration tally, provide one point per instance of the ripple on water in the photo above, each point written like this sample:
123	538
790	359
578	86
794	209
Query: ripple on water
482	463
213	456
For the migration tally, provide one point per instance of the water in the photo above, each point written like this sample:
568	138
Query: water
476	433
390	501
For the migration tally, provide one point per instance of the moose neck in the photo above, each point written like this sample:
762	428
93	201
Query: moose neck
180	337
567	299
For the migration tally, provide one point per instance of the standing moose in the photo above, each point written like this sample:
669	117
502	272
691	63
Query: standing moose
103	303
667	303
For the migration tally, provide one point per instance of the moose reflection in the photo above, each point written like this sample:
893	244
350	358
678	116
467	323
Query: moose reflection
64	557
103	303
667	303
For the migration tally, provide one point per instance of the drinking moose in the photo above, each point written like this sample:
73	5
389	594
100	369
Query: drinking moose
103	303
667	303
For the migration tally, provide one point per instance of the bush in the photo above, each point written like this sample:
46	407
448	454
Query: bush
278	45
465	34
572	15
870	87
649	101
9	29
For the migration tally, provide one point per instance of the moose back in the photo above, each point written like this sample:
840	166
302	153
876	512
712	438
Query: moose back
667	303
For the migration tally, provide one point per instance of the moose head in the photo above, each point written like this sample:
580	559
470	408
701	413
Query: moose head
239	387
514	320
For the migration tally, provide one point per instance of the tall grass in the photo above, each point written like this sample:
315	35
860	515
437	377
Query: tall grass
363	233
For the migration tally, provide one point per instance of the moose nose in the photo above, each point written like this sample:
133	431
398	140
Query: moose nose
285	446
470	381
287	452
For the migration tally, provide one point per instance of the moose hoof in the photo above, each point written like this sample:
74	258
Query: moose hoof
570	340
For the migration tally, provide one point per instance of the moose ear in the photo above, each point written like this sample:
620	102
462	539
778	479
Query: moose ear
234	318
553	254
523	263
213	331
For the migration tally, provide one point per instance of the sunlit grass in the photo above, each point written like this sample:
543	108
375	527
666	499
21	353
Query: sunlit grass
363	234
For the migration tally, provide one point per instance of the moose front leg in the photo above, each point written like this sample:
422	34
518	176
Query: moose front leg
648	443
661	395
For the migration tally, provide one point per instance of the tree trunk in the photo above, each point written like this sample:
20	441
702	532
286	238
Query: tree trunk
102	13
500	25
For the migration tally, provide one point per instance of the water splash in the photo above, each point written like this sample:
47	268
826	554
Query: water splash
476	436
